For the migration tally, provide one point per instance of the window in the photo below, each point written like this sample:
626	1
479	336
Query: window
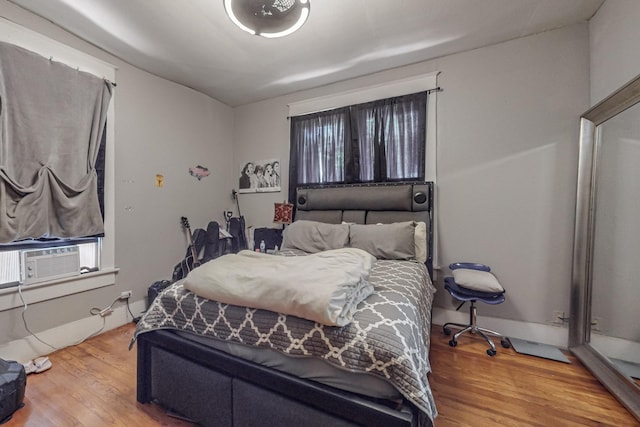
378	141
10	263
366	94
391	138
318	141
89	248
98	252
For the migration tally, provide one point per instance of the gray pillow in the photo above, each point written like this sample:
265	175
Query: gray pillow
312	236
477	280
385	241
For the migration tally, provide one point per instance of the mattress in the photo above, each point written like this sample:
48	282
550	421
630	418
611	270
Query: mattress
388	339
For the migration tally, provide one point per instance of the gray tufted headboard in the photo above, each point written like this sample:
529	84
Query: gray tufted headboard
369	204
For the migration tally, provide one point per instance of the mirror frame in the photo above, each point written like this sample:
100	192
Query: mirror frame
581	276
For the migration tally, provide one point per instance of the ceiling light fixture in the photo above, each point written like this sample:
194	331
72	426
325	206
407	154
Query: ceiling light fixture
268	18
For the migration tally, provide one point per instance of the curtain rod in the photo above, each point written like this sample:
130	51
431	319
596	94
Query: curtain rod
114	84
428	91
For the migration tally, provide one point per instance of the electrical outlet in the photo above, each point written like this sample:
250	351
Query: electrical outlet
558	318
125	295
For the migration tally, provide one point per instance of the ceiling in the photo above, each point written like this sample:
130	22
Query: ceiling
192	42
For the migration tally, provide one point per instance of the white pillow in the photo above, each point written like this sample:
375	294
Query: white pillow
477	280
420	241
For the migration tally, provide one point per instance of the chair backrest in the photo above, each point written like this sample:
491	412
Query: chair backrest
271	237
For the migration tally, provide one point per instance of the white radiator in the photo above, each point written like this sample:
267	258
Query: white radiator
39	265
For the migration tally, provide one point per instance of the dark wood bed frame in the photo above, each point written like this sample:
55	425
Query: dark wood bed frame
214	388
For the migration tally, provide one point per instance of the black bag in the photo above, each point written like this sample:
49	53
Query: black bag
13	382
155	289
239	238
212	243
271	237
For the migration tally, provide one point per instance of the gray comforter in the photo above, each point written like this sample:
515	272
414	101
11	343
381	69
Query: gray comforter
325	287
389	335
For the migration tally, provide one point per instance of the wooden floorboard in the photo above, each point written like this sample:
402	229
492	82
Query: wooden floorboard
511	389
94	384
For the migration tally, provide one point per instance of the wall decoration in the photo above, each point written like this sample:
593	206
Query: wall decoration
199	172
262	176
159	180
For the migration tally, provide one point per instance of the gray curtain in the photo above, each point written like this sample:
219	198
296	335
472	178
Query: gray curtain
51	122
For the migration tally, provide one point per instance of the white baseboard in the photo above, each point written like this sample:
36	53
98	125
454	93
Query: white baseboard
28	348
536	332
69	334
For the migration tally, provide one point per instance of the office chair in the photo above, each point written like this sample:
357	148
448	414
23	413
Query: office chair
473	282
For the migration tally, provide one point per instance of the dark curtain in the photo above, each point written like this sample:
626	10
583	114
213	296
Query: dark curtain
378	141
390	136
319	152
101	168
52	118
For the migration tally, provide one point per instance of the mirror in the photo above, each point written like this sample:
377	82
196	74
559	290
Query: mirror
605	326
615	280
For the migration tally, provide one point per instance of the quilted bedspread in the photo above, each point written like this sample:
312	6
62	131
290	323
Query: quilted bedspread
389	335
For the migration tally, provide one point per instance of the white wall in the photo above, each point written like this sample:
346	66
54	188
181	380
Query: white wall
507	147
613	34
161	127
507	165
164	128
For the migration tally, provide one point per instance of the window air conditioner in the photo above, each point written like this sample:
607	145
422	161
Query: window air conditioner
39	265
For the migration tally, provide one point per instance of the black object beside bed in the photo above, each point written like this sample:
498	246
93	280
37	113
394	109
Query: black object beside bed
216	388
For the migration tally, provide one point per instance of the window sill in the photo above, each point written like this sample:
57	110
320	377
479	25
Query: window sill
9	298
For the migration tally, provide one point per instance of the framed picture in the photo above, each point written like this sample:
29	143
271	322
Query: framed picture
261	176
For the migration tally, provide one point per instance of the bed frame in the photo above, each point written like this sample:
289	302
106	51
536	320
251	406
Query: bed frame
215	388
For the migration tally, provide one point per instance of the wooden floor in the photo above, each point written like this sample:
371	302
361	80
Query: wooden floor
93	384
511	389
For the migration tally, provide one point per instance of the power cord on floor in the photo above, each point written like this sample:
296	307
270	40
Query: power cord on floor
24	320
95	311
104	311
134	318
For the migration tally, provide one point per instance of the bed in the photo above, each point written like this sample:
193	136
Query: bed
224	364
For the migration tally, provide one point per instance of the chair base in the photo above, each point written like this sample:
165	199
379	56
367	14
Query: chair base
473	328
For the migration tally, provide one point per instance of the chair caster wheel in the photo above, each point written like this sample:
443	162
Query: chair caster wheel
453	343
446	331
505	343
491	352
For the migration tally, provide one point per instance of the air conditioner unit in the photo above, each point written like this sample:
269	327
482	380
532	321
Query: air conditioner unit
39	265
